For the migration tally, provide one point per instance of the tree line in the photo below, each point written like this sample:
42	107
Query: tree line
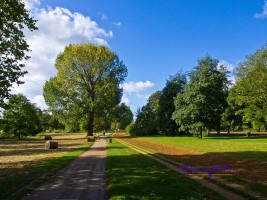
84	95
205	99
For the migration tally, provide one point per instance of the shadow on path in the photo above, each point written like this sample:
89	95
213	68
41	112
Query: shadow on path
84	178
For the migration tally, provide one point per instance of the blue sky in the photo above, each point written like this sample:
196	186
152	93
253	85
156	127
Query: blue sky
154	38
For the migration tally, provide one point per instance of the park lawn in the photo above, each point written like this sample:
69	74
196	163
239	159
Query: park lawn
132	175
238	147
25	164
247	155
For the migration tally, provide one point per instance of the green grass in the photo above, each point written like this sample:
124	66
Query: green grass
19	185
135	176
238	147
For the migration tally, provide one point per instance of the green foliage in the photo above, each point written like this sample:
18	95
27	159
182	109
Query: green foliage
86	85
174	86
123	115
204	99
115	126
13	47
146	117
49	122
249	94
21	117
130	129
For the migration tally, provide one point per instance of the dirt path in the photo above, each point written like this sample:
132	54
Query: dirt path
84	178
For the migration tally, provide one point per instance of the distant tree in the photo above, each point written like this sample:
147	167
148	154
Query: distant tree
123	115
146	117
49	122
130	129
13	47
87	84
204	99
115	126
174	86
249	93
21	117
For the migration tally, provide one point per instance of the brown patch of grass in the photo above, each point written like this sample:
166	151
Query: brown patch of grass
19	156
255	171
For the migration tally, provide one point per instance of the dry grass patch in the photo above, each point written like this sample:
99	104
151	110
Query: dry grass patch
19	157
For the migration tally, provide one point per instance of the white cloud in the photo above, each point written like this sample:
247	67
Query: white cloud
104	17
39	100
58	27
126	100
30	4
136	87
117	24
141	96
263	14
229	67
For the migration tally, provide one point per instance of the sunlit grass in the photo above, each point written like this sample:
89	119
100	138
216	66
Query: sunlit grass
250	146
135	176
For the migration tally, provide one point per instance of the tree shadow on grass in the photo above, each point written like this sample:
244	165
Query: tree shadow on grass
134	176
248	166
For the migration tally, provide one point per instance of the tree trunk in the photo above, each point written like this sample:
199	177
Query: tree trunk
90	124
200	132
218	129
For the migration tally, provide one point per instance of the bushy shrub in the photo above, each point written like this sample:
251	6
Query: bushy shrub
130	129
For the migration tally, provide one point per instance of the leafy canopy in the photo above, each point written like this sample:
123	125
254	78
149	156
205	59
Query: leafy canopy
250	91
174	86
204	98
13	47
87	84
21	117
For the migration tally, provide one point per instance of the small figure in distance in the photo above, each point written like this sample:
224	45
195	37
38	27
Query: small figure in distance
104	133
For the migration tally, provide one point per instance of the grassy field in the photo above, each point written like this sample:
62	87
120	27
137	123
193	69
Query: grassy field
248	156
240	147
24	164
135	176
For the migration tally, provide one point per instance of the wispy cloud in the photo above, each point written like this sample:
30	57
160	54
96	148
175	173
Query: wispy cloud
263	14
104	17
136	87
117	24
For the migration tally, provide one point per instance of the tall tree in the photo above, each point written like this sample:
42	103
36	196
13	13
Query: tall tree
87	83
174	86
249	93
124	115
13	47
146	117
204	99
21	117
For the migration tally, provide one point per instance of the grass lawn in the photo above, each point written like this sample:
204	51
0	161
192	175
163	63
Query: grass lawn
25	164
134	176
239	147
247	155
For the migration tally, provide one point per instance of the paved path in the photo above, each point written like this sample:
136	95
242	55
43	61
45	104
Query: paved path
84	178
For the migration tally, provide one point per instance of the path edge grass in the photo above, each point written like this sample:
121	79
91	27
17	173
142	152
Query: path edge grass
20	185
198	188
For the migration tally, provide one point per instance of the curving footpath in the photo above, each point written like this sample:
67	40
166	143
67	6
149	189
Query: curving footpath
84	178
